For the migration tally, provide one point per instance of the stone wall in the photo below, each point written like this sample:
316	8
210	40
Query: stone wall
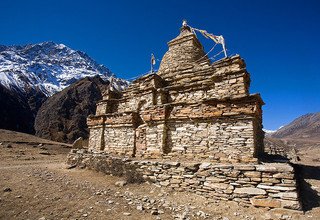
155	139
96	138
205	84
119	139
216	140
270	185
136	103
211	129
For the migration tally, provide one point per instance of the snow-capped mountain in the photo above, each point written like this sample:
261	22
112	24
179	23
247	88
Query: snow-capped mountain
269	131
30	74
48	67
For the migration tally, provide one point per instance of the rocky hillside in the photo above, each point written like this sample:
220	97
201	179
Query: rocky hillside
15	112
31	73
304	127
62	117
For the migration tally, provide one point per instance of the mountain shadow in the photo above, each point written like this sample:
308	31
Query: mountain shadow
62	117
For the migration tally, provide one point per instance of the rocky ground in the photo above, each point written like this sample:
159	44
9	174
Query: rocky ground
35	183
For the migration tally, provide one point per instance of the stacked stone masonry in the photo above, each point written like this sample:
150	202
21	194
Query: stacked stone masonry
270	185
189	108
193	110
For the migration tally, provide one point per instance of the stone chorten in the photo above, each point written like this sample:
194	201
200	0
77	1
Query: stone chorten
190	109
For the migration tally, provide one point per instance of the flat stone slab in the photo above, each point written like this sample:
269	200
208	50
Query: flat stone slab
271	203
250	191
279	188
205	165
274	167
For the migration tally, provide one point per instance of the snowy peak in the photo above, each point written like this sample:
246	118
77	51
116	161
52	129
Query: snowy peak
269	131
48	67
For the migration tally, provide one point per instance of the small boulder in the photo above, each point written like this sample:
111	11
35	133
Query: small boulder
7	189
121	183
126	213
140	207
110	202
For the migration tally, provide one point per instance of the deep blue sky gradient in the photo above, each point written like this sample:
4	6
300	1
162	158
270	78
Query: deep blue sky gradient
278	39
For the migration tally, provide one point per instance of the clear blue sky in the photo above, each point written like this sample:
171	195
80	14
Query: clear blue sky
278	39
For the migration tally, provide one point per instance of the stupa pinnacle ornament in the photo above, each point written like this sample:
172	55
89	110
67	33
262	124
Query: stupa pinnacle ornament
184	23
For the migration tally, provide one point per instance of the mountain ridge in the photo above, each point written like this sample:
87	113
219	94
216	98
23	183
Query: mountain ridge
31	73
304	127
48	67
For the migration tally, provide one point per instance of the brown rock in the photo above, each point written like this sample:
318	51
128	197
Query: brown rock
290	204
213	179
244	167
272	203
252	174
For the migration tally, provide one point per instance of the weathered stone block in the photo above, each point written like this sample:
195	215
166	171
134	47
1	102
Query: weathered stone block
245	167
290	204
165	183
284	175
279	188
250	191
271	203
204	165
175	181
275	167
215	179
270	180
252	174
216	185
286	195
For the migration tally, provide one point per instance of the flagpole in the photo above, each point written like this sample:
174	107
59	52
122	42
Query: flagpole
151	64
224	49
